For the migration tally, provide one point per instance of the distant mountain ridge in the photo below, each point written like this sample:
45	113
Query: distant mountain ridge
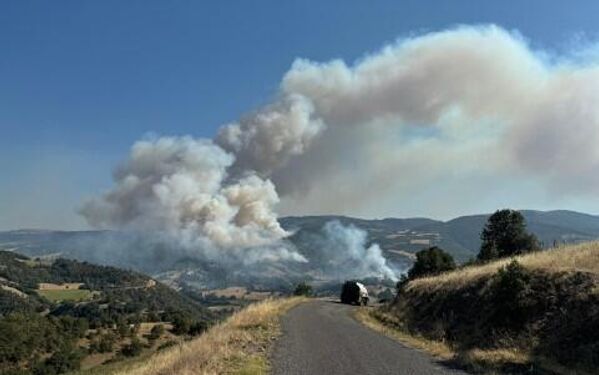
460	236
399	238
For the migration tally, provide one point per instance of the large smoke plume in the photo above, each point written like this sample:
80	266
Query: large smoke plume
341	137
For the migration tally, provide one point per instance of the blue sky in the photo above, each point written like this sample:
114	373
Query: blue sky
80	81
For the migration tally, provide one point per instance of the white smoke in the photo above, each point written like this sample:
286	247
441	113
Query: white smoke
464	107
345	255
472	105
178	189
266	140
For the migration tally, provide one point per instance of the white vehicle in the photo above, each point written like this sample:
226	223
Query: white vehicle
363	294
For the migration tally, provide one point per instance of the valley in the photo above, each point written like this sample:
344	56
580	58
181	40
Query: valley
399	240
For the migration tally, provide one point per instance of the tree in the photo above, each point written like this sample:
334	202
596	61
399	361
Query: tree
431	261
63	360
303	289
505	235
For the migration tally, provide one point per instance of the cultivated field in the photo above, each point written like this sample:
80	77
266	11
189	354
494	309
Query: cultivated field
55	295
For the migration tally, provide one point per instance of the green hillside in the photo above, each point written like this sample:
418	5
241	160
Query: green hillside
59	315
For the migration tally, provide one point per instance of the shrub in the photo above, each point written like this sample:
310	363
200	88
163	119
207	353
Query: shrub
65	359
197	328
156	332
386	295
133	349
431	261
511	289
103	343
181	324
303	289
166	345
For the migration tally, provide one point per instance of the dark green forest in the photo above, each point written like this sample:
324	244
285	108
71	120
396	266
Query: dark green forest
40	336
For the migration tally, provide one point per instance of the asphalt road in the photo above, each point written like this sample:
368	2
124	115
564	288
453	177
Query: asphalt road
322	337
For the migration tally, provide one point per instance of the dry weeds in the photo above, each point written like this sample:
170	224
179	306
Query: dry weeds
436	348
574	258
237	346
582	258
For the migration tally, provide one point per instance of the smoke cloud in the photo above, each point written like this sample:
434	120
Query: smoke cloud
345	254
178	190
465	107
474	104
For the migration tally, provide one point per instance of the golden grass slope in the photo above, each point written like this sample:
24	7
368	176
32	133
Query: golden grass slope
428	315
581	258
239	345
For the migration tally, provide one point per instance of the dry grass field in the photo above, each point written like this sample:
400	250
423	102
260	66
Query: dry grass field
549	325
577	258
239	345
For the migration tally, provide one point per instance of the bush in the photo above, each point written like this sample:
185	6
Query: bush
104	343
166	345
133	349
303	289
65	359
431	261
181	324
156	332
386	295
505	235
511	289
198	328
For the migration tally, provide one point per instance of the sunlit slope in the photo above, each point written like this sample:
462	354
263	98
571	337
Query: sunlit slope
543	311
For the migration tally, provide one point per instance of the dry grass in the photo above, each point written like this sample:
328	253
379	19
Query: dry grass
481	361
582	258
372	319
237	346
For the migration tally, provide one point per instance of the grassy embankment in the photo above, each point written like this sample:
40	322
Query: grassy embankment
239	345
543	317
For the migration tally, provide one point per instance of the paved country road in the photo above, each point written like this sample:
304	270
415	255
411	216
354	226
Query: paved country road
321	337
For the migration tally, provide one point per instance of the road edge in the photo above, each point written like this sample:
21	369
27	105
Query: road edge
437	349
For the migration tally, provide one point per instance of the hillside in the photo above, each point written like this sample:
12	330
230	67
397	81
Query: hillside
239	345
541	312
400	239
459	236
57	315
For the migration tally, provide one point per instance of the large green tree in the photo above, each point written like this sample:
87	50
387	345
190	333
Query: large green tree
505	235
431	261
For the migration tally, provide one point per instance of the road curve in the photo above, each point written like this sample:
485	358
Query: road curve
322	337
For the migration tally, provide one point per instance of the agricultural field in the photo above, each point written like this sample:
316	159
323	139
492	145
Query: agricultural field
64	295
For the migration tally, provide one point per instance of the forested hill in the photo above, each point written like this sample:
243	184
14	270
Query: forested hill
57	315
459	236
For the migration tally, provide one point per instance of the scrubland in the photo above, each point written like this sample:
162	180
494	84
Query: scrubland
239	345
539	315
